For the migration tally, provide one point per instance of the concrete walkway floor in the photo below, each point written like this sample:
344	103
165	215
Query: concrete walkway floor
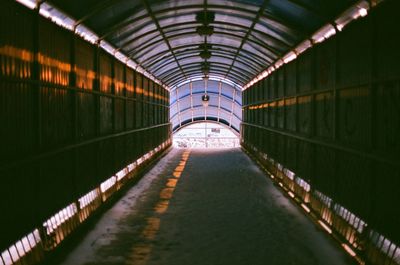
208	207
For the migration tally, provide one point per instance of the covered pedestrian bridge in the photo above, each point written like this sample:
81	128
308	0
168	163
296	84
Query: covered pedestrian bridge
92	93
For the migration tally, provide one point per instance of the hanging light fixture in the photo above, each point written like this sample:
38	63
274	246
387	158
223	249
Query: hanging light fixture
205	52
205	30
205	68
205	18
205	99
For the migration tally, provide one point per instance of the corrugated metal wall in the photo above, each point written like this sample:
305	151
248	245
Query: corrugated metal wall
332	116
71	116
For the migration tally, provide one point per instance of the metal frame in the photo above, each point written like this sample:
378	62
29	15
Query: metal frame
155	43
124	21
188	97
237	78
218	53
251	54
153	17
213	65
236	132
215	57
246	37
268	47
280	43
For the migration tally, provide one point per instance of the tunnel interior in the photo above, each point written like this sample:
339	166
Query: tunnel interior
91	93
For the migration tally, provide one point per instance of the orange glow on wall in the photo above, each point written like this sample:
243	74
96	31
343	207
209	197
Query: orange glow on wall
105	83
15	62
84	78
48	61
17	53
305	99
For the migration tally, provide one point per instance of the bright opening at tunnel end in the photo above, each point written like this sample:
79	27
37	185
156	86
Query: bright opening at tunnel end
205	135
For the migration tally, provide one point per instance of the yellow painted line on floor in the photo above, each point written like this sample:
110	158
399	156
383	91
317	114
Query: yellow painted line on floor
141	252
166	193
179	168
151	229
161	207
177	174
171	183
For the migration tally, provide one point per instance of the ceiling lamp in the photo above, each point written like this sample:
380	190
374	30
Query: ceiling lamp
205	68
204	51
205	17
205	55
205	30
205	46
205	99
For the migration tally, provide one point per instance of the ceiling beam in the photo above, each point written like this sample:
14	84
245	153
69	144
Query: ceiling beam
178	80
216	52
127	38
213	65
268	52
125	21
164	64
190	69
102	5
253	24
224	47
153	17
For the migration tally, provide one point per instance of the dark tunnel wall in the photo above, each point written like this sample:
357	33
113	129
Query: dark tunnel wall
71	116
332	116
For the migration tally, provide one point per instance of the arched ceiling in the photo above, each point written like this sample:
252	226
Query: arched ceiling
242	37
224	105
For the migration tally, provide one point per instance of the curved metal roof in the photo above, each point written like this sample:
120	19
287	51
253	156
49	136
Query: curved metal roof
166	37
224	106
